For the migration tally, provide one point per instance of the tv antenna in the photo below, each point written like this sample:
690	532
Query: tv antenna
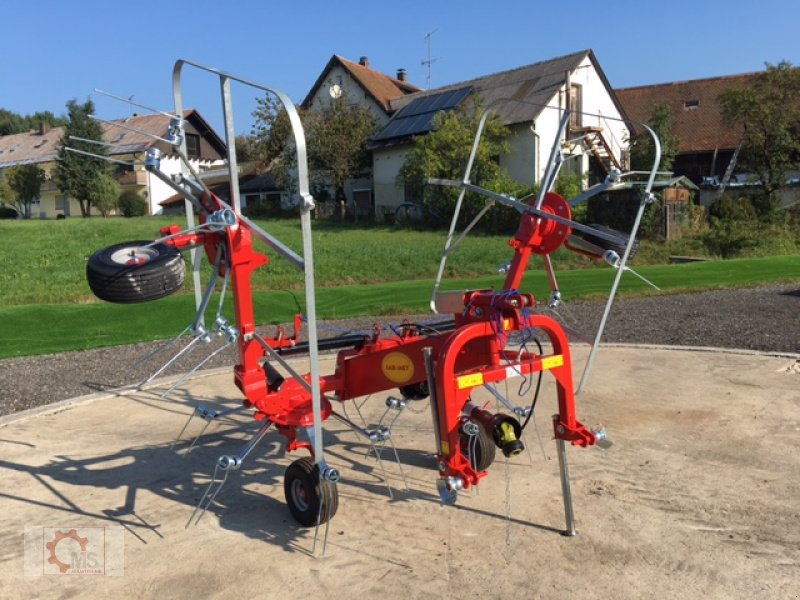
429	61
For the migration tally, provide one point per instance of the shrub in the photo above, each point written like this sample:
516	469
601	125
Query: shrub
7	212
733	208
132	204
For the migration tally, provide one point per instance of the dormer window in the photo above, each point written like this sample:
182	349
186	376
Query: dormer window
691	104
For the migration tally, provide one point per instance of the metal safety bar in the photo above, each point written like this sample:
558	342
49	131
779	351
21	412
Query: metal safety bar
306	263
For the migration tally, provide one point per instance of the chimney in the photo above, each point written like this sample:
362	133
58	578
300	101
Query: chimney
402	75
44	127
364	61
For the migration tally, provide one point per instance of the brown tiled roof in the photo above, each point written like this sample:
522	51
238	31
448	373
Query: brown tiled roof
34	147
382	88
696	118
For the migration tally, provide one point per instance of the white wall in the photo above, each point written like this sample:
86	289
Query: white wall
352	92
158	191
599	103
522	161
386	163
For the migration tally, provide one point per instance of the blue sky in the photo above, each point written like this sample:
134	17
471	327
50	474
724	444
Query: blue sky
56	50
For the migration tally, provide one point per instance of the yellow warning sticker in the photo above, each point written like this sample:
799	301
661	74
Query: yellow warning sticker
397	367
466	381
551	362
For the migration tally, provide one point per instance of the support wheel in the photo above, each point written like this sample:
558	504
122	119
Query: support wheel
483	449
415	391
137	271
305	490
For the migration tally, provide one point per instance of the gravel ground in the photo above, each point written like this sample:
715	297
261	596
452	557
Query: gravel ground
764	319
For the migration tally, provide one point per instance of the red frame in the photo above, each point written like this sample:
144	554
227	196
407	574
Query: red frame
471	355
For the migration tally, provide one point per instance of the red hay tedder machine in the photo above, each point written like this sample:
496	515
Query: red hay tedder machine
488	340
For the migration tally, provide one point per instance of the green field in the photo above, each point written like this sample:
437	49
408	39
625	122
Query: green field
46	306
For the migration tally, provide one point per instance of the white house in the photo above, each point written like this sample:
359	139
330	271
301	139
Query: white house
537	95
360	85
203	146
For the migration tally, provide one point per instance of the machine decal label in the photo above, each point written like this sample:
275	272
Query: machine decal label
397	367
466	381
551	362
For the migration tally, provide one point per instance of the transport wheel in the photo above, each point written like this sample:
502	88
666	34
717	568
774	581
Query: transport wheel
305	490
607	245
136	271
483	449
415	391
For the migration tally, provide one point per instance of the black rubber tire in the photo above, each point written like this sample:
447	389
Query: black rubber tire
483	452
133	272
415	391
305	489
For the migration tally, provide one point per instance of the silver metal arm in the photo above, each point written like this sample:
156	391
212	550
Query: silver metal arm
306	205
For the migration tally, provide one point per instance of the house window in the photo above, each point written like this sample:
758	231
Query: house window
575	106
192	145
362	201
61	202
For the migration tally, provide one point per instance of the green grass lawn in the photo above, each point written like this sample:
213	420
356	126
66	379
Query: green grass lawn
46	306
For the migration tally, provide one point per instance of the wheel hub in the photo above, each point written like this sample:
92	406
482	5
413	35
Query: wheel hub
133	256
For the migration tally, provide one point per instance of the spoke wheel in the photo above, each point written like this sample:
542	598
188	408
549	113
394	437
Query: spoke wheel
305	491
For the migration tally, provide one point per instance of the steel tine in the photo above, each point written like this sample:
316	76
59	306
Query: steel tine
186	376
160	349
188	347
383	469
209	417
131	102
316	530
197	437
399	464
185	425
205	495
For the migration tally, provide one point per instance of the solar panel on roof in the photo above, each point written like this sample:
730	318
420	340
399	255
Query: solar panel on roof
417	117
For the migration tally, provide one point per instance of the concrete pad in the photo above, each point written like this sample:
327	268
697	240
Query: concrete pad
699	497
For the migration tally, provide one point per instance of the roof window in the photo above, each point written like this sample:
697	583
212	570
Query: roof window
691	104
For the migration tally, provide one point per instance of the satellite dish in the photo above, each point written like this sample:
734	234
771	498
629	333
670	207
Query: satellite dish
335	91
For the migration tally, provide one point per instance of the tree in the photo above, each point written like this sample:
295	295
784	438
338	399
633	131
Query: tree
643	149
131	204
103	193
271	133
443	153
75	173
11	122
26	183
337	142
7	195
769	113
